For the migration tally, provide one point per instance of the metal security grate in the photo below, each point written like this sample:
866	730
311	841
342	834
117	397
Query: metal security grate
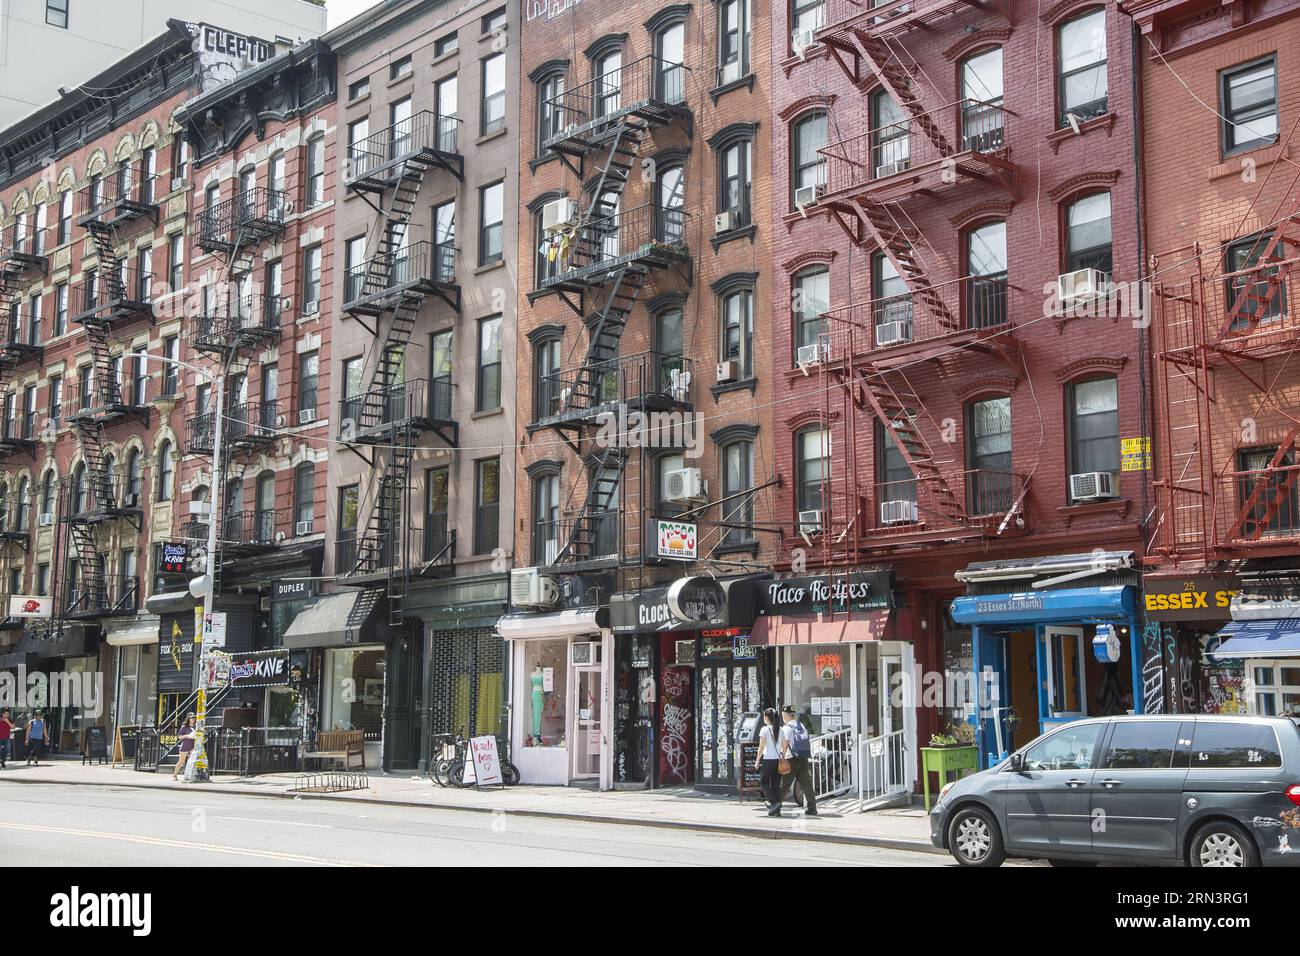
468	683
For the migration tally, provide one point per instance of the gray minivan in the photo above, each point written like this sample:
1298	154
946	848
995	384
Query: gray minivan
1200	790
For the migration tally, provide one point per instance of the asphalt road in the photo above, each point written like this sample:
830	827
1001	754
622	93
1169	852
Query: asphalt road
56	825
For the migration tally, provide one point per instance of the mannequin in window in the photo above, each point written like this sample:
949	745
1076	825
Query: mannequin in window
537	682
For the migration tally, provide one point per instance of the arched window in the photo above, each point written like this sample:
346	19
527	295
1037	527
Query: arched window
981	104
607	70
133	478
5	509
808	166
1087	234
986	275
810	302
550	112
670	198
23	504
891	143
670	73
47	494
812	456
166	471
80	503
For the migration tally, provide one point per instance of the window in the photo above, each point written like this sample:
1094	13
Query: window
810	302
349	511
988	455
897	481
440	376
139	379
738	330
737	508
358	155
608	74
1252	296
134	478
316	170
56	399
270	394
550	115
813	453
304	497
670	198
491	212
60	309
664	466
1081	58
359	88
446	105
56	13
806	16
892	304
546	518
65	216
986	275
354	270
670	73
487	504
1276	687
733	41
144	275
809	165
1094	426
496	20
734	182
311	280
400	68
546	378
444	242
83	387
170	371
1267	492
47	493
1142	745
24	505
264	510
401	122
891	150
981	106
149	175
308	372
1248	102
437	532
166	470
445	45
488	387
176	262
494	94
1087	234
34	319
1221	745
1070	748
38	232
180	160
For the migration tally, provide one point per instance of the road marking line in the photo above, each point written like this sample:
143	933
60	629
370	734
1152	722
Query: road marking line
183	844
278	823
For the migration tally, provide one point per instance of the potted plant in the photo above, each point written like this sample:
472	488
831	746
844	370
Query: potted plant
944	740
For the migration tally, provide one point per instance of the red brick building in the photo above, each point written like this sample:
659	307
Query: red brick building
1220	106
644	289
960	395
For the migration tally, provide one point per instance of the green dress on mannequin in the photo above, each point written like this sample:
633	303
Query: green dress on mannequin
538	700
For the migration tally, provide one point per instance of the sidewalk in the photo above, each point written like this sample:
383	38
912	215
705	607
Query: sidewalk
837	821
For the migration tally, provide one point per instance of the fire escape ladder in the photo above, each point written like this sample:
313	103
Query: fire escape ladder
388	366
104	235
1254	299
901	77
606	329
399	571
601	215
1270	492
90	438
604	478
395	221
892	235
92	565
897	409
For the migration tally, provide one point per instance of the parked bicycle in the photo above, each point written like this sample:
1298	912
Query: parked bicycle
456	771
440	762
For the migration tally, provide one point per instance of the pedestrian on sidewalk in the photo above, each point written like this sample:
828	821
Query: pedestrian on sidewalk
38	733
186	735
6	734
796	747
768	761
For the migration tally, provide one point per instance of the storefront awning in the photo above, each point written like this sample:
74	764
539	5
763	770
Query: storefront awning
571	623
15	660
1267	639
137	632
335	620
1060	567
781	629
170	602
1042	607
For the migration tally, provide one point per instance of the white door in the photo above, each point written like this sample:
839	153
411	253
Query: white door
588	724
1067	686
898	689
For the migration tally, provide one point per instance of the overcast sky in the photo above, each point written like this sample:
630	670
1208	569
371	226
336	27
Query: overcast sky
340	11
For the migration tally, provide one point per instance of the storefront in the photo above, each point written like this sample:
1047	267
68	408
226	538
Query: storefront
842	660
1262	640
1052	653
1184	616
58	672
685	677
134	645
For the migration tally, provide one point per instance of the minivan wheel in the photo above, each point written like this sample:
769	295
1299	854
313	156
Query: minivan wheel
974	838
1224	844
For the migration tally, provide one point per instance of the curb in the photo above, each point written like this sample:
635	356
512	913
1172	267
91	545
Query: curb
734	829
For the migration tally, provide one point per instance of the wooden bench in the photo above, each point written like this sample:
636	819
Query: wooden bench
348	746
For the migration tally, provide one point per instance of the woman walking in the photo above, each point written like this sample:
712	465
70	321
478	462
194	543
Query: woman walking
187	736
768	761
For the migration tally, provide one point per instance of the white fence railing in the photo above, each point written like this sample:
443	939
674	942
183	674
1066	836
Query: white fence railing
883	763
832	763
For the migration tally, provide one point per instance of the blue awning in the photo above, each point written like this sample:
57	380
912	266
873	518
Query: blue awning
1041	607
1276	637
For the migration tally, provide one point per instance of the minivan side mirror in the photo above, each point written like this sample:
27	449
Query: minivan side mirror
1017	763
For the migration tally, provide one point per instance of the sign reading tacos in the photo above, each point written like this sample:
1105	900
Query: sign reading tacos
676	540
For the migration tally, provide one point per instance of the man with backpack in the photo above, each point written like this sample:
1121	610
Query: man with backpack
796	747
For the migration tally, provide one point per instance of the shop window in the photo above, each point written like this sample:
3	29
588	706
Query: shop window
546	676
1248	106
354	698
1081	60
1276	687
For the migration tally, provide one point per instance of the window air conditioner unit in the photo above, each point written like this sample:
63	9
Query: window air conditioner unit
131	500
730	72
723	222
801	40
727	372
302	527
683	484
46	520
806	196
1082	285
310	308
558	214
809	355
306	416
889	169
810	522
891	333
530	588
178	183
1092	485
902	511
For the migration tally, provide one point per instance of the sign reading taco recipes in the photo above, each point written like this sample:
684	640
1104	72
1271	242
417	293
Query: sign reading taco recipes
863	591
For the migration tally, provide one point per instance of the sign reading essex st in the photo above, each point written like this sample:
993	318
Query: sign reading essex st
1189	599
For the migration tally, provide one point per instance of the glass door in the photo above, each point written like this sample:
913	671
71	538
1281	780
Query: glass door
1067	692
588	724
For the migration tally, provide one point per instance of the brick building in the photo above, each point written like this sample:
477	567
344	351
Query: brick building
645	219
94	200
960	391
423	352
1220	106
